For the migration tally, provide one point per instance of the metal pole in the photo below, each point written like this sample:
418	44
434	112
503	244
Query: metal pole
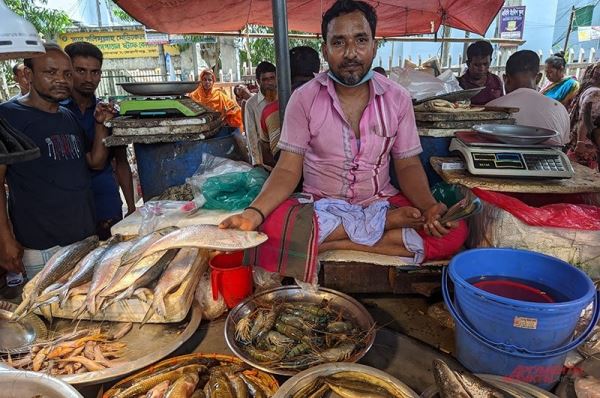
98	13
282	54
566	48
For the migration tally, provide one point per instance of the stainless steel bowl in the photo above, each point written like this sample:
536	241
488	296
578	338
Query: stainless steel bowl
17	337
159	88
515	134
300	380
19	384
339	302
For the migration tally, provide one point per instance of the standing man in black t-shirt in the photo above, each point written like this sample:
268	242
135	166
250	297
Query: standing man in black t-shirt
50	202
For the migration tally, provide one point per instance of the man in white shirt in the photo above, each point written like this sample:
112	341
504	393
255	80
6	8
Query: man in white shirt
267	80
536	110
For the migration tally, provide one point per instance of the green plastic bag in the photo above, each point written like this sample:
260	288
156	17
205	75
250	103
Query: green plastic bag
446	193
233	191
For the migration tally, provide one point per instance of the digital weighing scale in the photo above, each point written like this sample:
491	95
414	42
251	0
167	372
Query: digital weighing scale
486	157
160	107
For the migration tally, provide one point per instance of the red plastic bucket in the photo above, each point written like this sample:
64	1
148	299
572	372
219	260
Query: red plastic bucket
230	277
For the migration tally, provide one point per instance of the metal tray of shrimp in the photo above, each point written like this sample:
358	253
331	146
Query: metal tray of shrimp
292	387
341	303
164	339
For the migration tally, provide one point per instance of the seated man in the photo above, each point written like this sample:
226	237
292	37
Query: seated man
304	64
536	110
217	100
479	59
340	131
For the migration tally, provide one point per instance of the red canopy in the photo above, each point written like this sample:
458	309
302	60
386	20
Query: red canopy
395	17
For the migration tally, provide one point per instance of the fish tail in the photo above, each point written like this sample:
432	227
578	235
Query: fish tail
148	315
91	304
79	312
21	309
63	295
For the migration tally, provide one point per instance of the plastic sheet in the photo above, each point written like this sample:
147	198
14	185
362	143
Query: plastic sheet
564	231
211	309
153	212
225	184
423	85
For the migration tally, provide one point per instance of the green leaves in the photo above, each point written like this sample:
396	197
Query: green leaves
49	23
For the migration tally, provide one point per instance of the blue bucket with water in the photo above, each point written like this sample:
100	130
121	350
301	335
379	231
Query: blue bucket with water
521	339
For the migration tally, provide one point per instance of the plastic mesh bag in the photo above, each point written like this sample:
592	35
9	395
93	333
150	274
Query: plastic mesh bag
233	191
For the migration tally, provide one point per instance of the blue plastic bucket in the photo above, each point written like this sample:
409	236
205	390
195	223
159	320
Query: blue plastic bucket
523	324
510	339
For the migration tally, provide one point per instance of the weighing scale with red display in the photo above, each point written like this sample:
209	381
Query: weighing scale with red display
486	156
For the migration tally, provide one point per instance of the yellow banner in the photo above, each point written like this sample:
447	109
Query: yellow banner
117	44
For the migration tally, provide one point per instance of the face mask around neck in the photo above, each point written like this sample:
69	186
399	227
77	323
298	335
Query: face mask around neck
365	79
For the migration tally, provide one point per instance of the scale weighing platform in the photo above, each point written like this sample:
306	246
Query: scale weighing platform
488	158
160	107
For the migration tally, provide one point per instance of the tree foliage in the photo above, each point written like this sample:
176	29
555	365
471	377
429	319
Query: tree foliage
48	22
264	49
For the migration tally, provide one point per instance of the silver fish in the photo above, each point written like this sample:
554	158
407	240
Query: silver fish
135	253
62	262
109	262
207	237
462	385
171	279
144	276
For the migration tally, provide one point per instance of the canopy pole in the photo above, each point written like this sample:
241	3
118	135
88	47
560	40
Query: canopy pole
282	54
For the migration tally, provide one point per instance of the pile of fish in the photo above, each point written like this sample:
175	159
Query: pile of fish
81	351
118	270
452	384
197	377
297	335
349	384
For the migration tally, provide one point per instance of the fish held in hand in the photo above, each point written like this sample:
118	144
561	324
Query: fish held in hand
208	237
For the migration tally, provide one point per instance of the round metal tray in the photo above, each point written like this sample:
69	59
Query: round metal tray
515	387
18	384
159	88
145	345
294	384
340	302
515	134
17	337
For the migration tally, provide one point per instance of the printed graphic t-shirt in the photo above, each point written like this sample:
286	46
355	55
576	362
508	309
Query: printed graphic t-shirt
50	199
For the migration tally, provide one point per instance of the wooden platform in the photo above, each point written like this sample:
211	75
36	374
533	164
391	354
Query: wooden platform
359	272
585	180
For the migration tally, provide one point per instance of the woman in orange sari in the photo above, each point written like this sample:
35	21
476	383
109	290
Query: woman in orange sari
217	100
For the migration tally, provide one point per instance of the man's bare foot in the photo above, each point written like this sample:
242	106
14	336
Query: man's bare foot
404	217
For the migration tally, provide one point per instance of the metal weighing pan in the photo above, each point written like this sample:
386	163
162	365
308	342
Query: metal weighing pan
515	134
300	380
340	302
19	384
145	345
455	96
159	88
16	337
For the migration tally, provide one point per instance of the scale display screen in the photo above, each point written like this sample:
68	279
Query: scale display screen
498	160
